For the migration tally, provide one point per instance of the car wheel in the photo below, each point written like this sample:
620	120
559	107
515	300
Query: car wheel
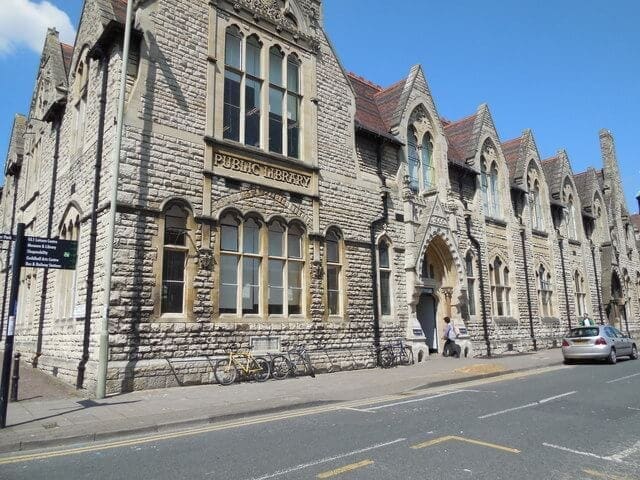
634	353
568	361
612	359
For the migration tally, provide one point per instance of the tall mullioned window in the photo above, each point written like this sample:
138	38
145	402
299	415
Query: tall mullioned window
246	247
427	169
581	295
471	282
500	287
489	181
286	267
244	84
66	280
545	291
81	86
537	218
412	158
334	272
384	273
174	259
570	213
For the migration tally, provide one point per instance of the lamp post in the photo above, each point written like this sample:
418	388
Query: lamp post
103	355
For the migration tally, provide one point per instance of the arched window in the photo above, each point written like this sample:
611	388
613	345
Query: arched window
571	219
242	256
285	269
471	282
412	158
232	84
537	218
384	277
545	292
334	272
66	280
174	258
579	287
80	89
490	189
427	170
500	289
494	192
294	100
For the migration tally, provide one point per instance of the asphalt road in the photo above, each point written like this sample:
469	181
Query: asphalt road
578	422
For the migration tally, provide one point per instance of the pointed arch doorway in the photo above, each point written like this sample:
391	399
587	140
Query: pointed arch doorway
438	279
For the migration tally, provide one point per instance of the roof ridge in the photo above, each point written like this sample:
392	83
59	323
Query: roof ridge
393	85
364	80
468	117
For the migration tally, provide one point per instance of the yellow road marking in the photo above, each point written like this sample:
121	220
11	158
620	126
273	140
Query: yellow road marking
608	476
346	468
262	419
436	441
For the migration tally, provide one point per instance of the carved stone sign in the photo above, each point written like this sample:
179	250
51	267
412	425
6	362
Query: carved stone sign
255	171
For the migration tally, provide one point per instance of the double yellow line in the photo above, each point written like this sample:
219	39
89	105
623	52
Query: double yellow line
256	420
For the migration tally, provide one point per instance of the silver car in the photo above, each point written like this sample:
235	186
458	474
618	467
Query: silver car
602	342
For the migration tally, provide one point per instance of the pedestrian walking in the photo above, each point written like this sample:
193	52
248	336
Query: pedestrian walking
450	348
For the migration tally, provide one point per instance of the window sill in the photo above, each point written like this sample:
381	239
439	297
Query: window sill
260	154
253	318
539	233
505	321
173	318
575	243
335	318
496	221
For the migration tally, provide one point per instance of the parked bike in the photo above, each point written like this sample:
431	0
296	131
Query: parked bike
244	362
394	353
294	362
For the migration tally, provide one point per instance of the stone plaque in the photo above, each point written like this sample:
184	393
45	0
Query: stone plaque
257	171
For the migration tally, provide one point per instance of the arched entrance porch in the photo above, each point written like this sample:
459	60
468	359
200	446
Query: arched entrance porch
436	288
617	308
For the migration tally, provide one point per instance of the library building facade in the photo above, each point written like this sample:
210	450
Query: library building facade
268	198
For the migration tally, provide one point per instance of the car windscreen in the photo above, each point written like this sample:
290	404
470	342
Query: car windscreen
584	332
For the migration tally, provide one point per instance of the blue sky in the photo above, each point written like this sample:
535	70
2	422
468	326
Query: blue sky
564	69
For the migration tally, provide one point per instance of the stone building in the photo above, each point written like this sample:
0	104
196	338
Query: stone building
267	197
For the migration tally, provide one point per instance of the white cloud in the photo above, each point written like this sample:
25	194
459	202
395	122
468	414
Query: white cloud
25	23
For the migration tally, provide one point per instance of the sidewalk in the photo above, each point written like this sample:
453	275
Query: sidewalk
51	414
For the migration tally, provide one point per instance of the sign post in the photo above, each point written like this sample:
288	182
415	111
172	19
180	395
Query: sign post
34	252
11	324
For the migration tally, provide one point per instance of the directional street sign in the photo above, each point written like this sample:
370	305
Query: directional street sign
50	253
6	236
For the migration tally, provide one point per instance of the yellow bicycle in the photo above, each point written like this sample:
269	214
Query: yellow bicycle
226	370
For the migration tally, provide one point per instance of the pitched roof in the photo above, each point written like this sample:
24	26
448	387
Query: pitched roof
586	184
112	10
67	56
374	105
460	137
556	169
512	151
16	143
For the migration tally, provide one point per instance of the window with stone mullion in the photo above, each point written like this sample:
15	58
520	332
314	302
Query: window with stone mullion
233	80
384	267
471	284
413	161
334	274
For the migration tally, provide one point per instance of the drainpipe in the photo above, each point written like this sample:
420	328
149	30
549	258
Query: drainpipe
57	123
595	272
527	284
91	262
374	261
485	322
564	279
103	343
8	256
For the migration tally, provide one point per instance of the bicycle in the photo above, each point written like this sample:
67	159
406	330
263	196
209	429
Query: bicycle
296	358
226	369
394	353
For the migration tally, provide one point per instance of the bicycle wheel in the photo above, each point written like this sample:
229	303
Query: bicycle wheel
386	358
280	367
406	356
308	365
261	369
225	372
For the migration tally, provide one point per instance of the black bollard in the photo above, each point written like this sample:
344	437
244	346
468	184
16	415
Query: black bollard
13	397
